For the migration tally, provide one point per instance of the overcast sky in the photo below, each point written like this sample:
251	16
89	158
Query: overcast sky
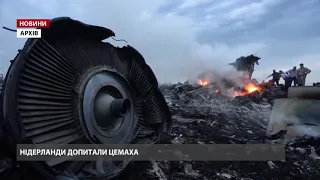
180	38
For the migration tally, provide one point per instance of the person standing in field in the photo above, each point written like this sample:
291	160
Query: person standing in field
293	76
302	73
286	78
275	77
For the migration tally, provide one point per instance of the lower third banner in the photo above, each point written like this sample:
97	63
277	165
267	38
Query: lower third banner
158	152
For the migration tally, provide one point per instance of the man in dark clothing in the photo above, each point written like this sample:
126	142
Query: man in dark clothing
275	77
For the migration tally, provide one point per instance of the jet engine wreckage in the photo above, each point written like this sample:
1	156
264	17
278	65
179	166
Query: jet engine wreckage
69	87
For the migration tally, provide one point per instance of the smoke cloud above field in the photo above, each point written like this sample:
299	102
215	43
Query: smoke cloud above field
180	39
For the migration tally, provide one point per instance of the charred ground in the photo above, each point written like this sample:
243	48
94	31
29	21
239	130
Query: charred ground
219	120
205	117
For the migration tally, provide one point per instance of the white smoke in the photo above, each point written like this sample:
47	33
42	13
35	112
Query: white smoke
302	128
282	119
220	76
167	40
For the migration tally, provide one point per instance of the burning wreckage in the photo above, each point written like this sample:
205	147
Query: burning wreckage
51	80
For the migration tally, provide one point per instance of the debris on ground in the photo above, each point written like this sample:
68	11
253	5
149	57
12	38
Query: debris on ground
224	120
203	115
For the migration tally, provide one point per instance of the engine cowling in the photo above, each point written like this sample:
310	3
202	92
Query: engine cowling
60	89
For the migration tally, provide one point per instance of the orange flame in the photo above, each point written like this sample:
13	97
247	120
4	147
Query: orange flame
248	89
203	82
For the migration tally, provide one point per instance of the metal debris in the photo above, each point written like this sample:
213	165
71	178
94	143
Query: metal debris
272	165
157	170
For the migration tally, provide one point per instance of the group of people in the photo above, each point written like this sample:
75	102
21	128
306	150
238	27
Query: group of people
294	76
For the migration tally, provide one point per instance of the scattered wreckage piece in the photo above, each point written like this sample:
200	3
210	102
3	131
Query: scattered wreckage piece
296	116
306	92
252	93
203	90
62	88
255	97
246	63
